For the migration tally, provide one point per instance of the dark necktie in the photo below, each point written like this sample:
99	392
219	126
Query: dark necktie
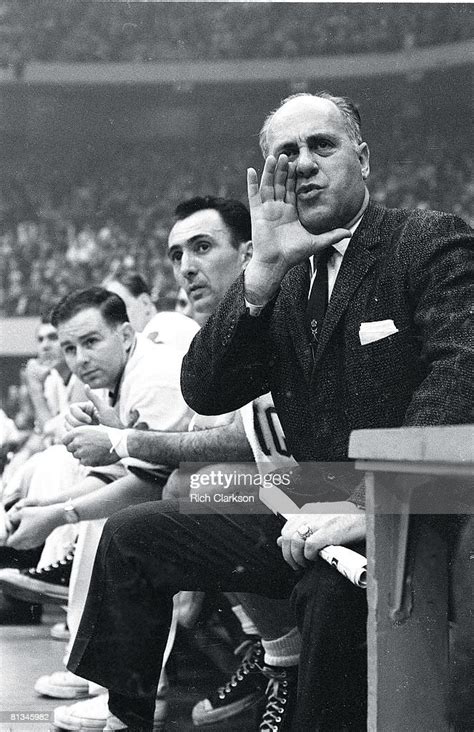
318	299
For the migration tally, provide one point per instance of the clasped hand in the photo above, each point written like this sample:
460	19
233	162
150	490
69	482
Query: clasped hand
87	438
330	524
30	524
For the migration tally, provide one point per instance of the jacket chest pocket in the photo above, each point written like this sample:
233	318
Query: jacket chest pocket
393	358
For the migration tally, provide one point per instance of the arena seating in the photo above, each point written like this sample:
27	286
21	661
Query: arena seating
124	32
62	230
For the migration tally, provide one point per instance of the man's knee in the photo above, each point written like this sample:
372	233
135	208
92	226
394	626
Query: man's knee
132	525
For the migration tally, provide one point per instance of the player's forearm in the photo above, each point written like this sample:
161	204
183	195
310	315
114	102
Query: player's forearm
90	484
112	497
218	444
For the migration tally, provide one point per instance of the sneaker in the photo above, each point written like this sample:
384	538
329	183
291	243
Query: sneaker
114	724
65	685
244	690
49	584
91	715
281	699
60	631
17	612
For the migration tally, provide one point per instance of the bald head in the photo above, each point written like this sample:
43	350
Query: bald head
347	108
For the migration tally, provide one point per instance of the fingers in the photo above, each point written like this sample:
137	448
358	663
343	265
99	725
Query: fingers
24	502
312	547
14	518
291	543
285	546
17	540
267	191
322	241
68	438
280	178
290	194
98	403
252	188
72	445
79	414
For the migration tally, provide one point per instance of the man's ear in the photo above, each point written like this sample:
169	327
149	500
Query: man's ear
364	158
127	334
246	250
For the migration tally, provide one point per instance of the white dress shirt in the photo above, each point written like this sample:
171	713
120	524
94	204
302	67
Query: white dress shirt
334	261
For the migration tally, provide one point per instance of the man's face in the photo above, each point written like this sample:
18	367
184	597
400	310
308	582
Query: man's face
330	167
49	351
94	350
138	308
205	262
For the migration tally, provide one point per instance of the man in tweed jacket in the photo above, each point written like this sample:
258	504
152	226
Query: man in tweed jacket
406	273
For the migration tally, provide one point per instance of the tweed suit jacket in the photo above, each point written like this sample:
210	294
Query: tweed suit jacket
412	267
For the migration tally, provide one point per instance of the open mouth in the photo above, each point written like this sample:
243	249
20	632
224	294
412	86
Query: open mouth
196	292
308	191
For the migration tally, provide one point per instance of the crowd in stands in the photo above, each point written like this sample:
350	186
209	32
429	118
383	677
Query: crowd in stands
66	229
137	32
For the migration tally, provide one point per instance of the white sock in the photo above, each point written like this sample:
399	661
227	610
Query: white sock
283	651
247	624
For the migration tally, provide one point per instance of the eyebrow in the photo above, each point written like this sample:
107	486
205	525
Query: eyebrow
188	242
311	138
82	337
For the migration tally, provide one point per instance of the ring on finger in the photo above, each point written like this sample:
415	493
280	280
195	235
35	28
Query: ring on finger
304	531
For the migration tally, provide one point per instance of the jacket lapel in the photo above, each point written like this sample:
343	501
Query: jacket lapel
359	258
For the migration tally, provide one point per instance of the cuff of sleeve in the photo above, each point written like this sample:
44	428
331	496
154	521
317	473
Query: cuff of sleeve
118	440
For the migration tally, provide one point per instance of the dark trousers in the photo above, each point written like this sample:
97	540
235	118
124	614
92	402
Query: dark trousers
149	552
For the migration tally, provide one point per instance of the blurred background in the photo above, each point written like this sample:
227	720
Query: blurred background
112	112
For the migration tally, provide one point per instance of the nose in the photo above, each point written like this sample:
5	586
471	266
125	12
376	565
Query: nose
188	266
81	356
306	163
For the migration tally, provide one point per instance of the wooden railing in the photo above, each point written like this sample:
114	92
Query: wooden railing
417	481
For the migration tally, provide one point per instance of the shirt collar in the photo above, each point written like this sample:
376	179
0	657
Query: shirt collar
342	245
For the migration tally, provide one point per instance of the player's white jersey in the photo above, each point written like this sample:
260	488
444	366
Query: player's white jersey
265	434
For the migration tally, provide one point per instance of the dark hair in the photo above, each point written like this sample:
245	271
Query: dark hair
134	282
45	318
346	106
111	306
233	212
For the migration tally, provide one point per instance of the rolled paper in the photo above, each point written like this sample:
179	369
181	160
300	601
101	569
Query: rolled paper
349	563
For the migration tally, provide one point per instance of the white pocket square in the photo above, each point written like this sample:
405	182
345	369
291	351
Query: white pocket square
375	331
